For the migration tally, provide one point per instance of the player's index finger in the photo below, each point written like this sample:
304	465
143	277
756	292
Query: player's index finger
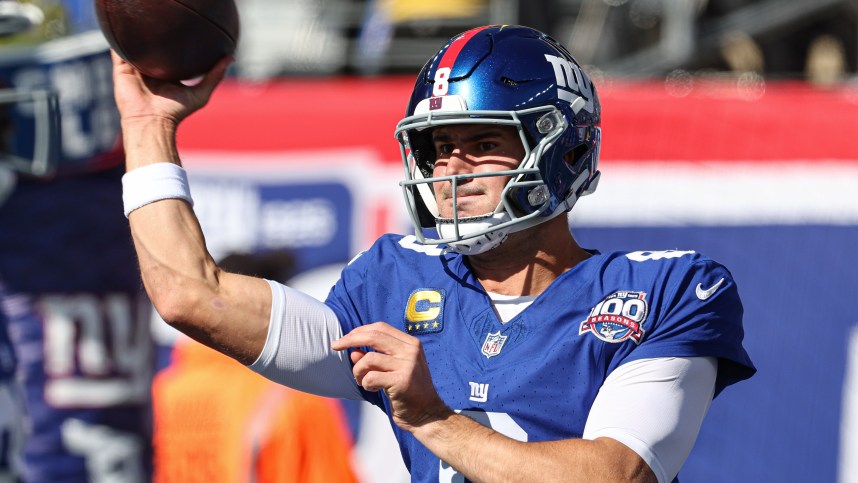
380	337
390	331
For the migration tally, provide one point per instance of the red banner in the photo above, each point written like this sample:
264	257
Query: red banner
641	120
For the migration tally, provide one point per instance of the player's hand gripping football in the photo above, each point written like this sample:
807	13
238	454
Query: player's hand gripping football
398	367
143	98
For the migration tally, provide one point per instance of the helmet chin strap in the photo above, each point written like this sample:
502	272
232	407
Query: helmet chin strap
474	245
493	238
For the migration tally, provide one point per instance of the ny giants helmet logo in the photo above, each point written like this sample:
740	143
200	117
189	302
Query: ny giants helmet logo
571	82
618	317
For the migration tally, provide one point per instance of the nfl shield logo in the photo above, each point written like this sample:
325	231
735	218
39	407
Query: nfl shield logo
493	344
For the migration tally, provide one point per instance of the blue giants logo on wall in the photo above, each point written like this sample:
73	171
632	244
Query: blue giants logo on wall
313	220
617	317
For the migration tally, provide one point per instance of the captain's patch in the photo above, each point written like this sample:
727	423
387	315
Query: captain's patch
424	313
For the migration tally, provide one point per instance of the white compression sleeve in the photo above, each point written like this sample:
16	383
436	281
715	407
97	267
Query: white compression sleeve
298	352
670	397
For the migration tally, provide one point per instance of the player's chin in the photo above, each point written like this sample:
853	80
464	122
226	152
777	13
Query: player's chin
467	207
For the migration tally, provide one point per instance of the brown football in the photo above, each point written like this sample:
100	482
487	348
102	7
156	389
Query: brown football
170	39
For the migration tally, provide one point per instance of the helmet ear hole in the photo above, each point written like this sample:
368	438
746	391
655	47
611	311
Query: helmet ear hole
423	150
573	157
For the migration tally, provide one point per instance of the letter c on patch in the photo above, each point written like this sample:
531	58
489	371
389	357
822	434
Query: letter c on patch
423	305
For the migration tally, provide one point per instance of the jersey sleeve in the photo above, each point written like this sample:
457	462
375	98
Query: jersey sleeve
700	315
355	295
362	284
349	294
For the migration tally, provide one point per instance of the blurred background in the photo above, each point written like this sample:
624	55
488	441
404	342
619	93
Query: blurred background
730	127
780	39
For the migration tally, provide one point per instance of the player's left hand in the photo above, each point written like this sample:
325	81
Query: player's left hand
398	367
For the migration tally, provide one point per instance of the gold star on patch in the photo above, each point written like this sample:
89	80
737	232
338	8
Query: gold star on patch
435	325
426	325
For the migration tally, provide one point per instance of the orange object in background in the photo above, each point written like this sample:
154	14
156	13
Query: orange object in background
216	421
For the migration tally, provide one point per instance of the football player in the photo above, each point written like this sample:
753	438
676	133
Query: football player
72	313
499	348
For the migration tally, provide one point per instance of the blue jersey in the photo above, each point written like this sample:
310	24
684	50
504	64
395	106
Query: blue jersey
72	304
535	377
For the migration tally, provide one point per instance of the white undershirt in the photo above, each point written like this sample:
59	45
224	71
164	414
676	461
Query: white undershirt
653	406
506	307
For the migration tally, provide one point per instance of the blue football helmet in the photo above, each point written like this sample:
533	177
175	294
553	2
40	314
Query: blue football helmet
502	75
57	113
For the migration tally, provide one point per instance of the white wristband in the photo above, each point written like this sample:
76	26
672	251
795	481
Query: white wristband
154	182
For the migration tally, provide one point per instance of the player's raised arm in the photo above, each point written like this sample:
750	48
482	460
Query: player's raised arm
226	311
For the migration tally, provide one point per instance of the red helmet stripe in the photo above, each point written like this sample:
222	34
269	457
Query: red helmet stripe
456	46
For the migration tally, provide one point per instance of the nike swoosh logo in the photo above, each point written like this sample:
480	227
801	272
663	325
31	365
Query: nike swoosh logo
705	294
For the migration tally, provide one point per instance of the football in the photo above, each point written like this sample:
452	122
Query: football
172	40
